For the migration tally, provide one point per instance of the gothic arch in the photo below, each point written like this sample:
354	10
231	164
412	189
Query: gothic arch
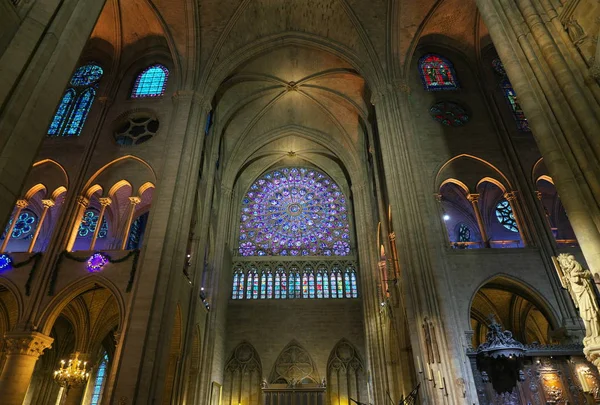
294	365
48	174
126	167
71	291
517	306
346	377
243	373
470	171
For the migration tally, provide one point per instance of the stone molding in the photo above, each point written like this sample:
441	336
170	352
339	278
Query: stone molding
27	343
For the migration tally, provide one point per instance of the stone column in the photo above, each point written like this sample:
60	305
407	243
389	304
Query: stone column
105	202
82	204
21	205
133	202
568	154
511	197
22	352
474	199
47	205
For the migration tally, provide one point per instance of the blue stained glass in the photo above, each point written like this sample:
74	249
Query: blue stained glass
311	286
99	382
152	82
305	285
294	212
333	285
464	233
505	216
320	284
60	117
86	75
24	227
263	286
249	285
254	285
353	283
284	286
88	224
80	113
136	232
269	285
347	284
340	285
234	294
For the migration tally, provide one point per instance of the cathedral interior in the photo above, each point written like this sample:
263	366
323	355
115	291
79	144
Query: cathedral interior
299	202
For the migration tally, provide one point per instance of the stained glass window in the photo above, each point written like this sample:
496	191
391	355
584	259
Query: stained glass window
284	285
305	285
238	285
292	212
263	285
511	97
333	282
249	284
255	286
464	233
353	287
60	117
437	73
504	214
295	287
99	382
88	224
311	285
320	284
24	227
340	284
77	101
152	82
269	285
136	232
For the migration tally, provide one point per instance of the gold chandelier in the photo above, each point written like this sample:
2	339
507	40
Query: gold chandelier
71	374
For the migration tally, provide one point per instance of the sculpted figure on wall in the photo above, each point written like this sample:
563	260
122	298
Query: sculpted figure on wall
580	285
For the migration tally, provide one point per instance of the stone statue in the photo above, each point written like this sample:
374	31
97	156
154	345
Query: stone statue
579	283
264	384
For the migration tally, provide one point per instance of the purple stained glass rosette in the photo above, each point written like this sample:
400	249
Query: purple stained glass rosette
294	212
96	262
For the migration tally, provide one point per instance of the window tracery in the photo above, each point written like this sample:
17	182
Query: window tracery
294	212
24	227
329	280
437	73
88	224
77	101
152	82
464	233
505	216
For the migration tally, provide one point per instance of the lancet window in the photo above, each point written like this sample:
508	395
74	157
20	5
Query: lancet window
511	96
437	73
77	101
152	82
295	282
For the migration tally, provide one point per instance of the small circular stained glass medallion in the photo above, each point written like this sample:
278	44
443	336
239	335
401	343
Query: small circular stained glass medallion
96	262
449	114
294	209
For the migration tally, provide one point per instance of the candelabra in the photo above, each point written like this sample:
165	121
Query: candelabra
71	374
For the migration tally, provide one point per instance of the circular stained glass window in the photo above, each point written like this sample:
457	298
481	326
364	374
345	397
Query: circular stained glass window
86	75
294	212
24	227
88	224
464	233
449	114
504	214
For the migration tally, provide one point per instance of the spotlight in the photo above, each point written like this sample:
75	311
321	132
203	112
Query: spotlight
446	217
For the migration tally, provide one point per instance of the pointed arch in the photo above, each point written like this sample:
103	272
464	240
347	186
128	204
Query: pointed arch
243	373
470	170
294	365
346	376
174	355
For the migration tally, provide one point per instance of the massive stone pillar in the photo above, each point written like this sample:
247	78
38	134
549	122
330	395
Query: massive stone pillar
35	67
22	352
560	107
142	367
400	152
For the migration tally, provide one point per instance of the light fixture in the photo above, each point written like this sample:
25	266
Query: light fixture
446	217
71	374
5	262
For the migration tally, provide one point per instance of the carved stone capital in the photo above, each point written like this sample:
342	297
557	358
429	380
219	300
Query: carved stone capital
135	200
105	201
22	204
26	343
510	196
473	197
47	203
438	197
83	201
